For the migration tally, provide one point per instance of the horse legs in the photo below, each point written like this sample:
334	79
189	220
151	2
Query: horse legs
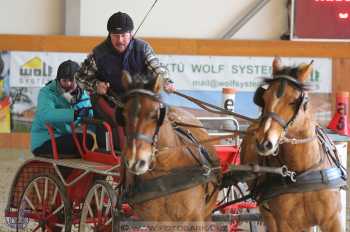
268	219
333	225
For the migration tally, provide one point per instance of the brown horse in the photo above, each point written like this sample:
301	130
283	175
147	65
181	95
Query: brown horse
166	158
287	134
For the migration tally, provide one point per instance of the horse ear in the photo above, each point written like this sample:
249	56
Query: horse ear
304	71
157	84
126	79
276	65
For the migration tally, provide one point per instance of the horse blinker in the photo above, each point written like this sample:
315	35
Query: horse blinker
258	96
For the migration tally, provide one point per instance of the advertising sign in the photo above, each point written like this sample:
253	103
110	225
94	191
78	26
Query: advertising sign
5	123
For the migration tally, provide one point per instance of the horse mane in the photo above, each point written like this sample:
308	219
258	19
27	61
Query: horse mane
142	81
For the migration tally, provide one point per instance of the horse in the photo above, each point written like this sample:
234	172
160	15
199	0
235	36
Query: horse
171	176
287	134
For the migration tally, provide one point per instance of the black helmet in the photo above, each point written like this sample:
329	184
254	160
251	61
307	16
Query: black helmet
67	69
120	23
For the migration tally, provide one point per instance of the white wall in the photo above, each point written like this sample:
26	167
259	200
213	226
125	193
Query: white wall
174	19
42	17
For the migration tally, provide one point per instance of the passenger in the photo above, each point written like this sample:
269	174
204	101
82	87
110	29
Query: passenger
60	103
120	51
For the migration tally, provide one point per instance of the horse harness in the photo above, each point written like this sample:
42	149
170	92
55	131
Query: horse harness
175	180
301	103
312	179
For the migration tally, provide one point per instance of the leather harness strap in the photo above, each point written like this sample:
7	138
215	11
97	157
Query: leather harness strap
174	181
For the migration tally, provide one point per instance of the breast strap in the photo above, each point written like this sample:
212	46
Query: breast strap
329	178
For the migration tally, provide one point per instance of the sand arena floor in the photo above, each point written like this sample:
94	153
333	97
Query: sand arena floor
10	160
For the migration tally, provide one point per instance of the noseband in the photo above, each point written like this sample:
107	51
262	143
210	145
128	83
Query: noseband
135	93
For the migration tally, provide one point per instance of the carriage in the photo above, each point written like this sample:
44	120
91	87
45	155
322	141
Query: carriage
80	194
176	183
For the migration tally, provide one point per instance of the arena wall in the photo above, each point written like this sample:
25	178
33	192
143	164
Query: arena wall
339	52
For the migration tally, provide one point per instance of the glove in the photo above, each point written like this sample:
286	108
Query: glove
82	112
169	86
73	96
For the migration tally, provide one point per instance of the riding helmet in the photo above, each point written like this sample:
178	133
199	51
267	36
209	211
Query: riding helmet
67	69
120	23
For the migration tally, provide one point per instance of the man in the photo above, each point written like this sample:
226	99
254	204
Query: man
120	51
60	103
103	68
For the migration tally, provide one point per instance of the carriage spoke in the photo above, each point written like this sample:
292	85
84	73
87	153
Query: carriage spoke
108	222
90	211
97	200
54	195
37	191
102	198
36	228
57	210
108	208
45	188
29	203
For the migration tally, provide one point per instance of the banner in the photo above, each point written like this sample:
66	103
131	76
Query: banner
5	121
213	73
34	69
202	77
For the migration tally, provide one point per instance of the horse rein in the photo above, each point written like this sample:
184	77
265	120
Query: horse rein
212	108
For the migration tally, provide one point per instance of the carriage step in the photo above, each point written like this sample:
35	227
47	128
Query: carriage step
82	164
236	217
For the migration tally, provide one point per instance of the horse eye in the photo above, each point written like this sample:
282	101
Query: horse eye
154	115
294	103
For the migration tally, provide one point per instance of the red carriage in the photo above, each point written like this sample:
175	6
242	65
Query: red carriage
44	197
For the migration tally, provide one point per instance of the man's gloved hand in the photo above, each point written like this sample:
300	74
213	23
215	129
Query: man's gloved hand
102	87
169	86
81	112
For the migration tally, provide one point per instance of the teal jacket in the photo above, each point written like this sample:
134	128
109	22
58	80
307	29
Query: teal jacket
54	109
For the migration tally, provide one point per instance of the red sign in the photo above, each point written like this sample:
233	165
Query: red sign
322	19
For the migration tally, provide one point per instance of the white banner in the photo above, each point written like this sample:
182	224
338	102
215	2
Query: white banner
212	73
34	69
208	73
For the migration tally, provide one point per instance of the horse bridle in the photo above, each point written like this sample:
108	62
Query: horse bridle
301	103
162	112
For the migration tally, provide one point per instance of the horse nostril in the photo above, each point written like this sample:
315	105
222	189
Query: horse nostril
141	163
267	145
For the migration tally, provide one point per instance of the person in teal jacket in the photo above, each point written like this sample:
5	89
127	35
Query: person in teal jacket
60	103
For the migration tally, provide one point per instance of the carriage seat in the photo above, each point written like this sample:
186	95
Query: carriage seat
106	111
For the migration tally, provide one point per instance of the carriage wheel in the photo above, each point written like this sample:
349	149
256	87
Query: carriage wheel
44	206
99	208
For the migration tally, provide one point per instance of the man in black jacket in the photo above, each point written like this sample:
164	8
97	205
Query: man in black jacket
102	69
120	51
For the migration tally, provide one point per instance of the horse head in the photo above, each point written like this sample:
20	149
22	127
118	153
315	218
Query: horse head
284	104
143	114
